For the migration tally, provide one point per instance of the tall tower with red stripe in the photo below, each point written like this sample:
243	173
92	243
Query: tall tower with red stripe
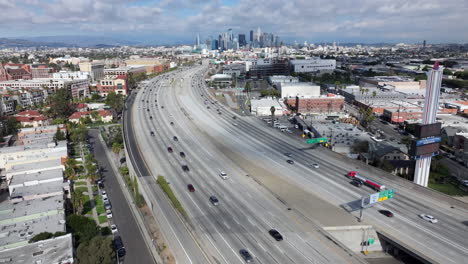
431	105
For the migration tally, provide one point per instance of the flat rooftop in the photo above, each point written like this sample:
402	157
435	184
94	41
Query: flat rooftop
42	128
35	166
391	79
41	176
54	250
21	221
38	146
43	189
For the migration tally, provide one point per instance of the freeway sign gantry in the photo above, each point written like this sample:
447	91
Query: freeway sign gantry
316	140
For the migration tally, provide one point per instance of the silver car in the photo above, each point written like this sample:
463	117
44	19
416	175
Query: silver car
428	218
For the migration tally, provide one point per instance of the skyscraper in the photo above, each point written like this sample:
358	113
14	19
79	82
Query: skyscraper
251	36
197	42
242	40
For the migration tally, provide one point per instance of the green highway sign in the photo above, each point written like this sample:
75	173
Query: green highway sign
387	194
316	140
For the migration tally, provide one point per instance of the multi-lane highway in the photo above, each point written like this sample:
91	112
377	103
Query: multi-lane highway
251	200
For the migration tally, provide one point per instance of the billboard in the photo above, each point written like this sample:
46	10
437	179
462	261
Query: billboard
426	141
429	130
424	149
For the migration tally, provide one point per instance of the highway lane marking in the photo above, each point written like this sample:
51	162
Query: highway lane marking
226	224
170	226
260	245
217	232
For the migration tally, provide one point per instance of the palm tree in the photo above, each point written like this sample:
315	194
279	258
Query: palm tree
272	110
78	200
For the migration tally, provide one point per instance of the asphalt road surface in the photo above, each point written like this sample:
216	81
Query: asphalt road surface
247	150
136	248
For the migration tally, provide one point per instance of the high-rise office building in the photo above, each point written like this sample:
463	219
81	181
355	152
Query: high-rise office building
214	44
251	36
197	42
242	40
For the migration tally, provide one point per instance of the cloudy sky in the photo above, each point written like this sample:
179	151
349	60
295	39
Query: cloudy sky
370	21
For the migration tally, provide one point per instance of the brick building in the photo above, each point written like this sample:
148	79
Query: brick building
322	104
41	71
113	84
13	71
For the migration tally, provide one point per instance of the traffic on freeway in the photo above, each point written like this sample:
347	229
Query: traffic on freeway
245	202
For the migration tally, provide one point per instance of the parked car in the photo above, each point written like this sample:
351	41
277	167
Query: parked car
428	218
276	235
246	255
169	149
113	228
175	138
185	168
107	205
109	214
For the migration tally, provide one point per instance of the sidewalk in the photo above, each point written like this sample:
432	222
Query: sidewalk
141	223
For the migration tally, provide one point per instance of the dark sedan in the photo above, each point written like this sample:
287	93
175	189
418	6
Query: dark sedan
386	213
290	161
276	235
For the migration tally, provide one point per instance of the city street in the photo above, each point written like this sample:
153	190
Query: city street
137	250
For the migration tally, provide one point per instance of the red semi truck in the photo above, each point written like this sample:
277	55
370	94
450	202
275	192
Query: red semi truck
374	185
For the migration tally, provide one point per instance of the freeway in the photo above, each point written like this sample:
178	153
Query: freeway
448	236
246	211
213	141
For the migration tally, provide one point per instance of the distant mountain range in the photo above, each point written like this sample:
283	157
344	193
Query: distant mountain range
65	41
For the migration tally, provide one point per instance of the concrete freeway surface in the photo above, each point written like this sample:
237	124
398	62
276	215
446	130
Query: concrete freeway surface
247	210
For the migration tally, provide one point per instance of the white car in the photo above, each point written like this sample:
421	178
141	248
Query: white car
465	183
104	198
109	213
113	229
315	165
428	218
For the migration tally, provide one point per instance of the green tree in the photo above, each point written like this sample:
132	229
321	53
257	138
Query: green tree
116	147
361	147
62	106
12	126
272	110
78	200
447	72
82	227
41	236
95	116
78	134
247	87
115	101
58	121
124	170
97	250
374	94
59	135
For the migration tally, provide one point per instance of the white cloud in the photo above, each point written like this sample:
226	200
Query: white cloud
379	20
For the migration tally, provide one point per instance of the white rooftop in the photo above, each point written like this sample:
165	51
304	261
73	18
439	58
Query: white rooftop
57	250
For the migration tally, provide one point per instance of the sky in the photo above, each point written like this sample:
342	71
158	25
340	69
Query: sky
315	21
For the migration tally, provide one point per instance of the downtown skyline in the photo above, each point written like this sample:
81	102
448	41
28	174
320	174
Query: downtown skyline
156	22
